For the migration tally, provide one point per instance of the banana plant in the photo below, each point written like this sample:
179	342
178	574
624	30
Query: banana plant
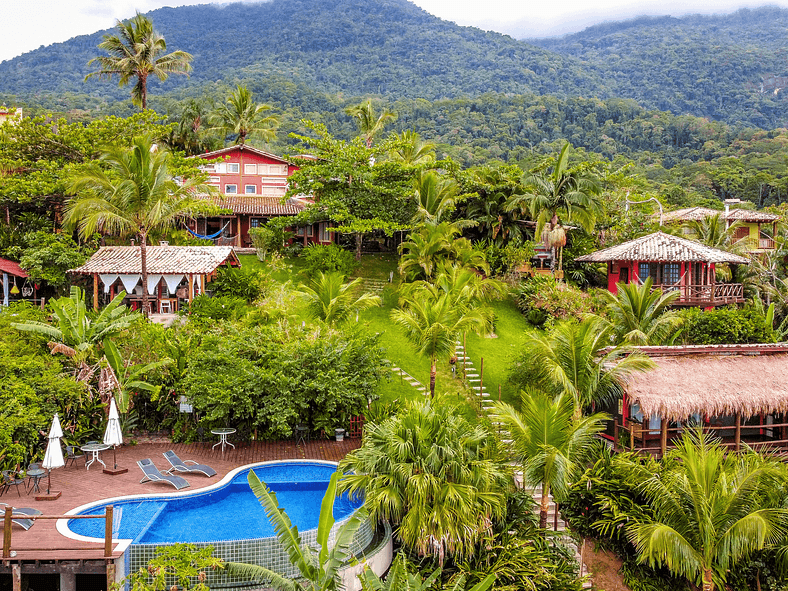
125	378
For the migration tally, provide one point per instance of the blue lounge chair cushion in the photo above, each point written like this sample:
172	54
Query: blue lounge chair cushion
180	466
153	474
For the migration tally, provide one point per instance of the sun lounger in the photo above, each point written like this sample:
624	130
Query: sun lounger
152	474
25	523
181	466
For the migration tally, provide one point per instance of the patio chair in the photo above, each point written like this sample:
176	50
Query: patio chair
181	466
73	453
152	474
25	523
10	480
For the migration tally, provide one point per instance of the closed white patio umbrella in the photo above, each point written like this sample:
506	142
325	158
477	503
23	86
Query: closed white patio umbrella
113	435
53	458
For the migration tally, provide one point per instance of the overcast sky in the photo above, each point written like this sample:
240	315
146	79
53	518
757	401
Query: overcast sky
27	25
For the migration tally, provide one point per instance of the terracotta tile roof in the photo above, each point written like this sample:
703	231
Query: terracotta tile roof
699	213
660	247
161	259
682	385
263	206
11	268
241	148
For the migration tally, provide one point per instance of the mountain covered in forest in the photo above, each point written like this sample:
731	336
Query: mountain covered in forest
729	68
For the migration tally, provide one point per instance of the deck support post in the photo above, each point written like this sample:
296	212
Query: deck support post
7	531
631	436
663	435
615	433
737	436
16	577
110	573
108	532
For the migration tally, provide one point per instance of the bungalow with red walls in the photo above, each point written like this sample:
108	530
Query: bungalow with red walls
673	263
251	185
12	272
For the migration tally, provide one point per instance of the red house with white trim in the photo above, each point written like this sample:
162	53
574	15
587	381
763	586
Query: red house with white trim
251	185
674	264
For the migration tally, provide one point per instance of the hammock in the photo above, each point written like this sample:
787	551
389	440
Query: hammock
207	237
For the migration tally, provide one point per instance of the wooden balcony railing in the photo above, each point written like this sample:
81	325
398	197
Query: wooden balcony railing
766	244
717	294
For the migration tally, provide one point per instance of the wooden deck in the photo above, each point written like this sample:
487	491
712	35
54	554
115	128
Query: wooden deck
80	486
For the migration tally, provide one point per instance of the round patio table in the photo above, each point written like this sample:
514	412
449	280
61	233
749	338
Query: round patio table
35	476
94	449
223	433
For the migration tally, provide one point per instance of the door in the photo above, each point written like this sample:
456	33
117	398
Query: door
623	275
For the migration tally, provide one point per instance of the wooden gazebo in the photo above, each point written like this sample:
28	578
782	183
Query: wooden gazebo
175	273
12	271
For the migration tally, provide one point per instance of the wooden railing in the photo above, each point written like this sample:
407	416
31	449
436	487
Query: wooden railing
713	295
766	244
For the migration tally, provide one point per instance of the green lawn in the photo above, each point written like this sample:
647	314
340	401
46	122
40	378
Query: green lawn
498	353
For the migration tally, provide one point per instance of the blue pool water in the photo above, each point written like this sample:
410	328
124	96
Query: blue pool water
230	512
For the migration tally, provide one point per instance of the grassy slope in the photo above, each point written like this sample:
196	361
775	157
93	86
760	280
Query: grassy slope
497	353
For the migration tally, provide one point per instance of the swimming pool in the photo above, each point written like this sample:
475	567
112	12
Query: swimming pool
225	516
230	511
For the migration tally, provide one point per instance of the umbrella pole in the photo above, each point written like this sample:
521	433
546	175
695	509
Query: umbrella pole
115	455
49	480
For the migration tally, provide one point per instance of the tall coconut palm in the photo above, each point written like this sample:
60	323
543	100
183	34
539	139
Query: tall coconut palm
137	51
712	509
333	301
564	195
640	316
244	118
550	444
320	568
370	123
570	359
437	478
432	323
135	195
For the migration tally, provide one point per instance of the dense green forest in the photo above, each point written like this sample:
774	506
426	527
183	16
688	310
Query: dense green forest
720	67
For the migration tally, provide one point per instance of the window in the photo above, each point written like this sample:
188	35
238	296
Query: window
250	189
646	270
698	274
214	180
325	235
231	189
250	169
741	233
671	273
300	231
256	222
233	167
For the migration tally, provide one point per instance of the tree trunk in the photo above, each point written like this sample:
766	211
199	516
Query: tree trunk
433	371
144	91
359	240
144	268
708	584
545	505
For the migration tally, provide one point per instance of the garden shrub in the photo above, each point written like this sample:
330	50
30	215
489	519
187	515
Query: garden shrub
542	297
724	326
266	379
328	257
244	282
204	308
504	259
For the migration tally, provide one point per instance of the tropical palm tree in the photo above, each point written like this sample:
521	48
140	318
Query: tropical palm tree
411	149
333	301
78	331
712	509
551	445
571	359
564	195
712	231
137	51
436	477
494	187
435	198
369	123
640	316
135	196
241	116
319	568
433	322
430	244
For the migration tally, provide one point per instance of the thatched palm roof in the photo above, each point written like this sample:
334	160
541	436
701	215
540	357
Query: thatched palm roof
712	381
662	248
161	259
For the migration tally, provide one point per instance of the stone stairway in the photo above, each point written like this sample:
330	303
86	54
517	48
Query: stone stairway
373	285
406	377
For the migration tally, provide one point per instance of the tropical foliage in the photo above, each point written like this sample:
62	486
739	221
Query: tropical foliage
640	315
332	301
